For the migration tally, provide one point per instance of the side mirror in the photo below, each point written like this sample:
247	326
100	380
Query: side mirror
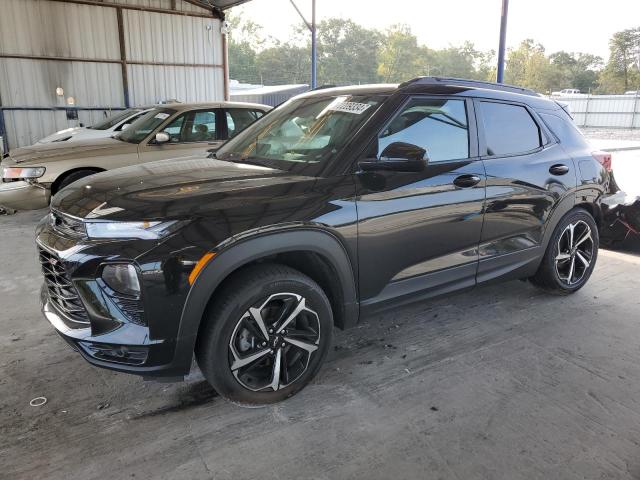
162	137
398	157
125	126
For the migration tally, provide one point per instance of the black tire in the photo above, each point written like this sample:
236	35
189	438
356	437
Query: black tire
555	279
229	327
73	177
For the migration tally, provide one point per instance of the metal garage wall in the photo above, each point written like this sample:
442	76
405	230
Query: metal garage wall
182	57
55	29
77	47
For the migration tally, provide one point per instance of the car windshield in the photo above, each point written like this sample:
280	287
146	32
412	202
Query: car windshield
146	124
109	122
306	130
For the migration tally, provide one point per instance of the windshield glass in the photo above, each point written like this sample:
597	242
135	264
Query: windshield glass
114	119
306	130
146	124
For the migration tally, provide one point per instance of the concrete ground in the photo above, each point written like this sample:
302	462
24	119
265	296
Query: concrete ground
504	382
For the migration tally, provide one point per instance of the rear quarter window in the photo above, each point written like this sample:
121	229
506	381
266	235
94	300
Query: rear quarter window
564	129
509	129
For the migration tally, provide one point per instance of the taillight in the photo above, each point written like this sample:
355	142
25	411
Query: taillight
604	158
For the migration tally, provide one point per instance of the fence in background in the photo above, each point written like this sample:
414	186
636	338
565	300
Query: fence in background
612	111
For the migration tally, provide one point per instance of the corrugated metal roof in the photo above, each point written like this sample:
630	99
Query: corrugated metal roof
224	4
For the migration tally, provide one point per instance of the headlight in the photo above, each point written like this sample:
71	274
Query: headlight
123	278
139	230
23	172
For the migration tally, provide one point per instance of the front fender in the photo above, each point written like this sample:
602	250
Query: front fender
237	254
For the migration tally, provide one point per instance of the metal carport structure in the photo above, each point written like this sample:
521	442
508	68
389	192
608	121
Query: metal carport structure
63	62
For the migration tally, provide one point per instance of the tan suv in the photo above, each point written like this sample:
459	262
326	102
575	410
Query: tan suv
31	175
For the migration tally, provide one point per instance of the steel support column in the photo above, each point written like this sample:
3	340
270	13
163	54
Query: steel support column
314	44
503	40
123	57
314	47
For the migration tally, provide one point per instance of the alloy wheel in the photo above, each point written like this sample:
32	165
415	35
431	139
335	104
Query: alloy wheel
575	251
272	343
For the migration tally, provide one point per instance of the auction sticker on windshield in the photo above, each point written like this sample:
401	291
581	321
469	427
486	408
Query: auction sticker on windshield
350	107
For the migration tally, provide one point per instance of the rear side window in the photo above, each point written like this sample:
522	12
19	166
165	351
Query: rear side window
508	129
438	125
240	118
564	128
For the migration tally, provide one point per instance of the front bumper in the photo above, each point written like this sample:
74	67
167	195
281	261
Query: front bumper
23	195
108	351
105	336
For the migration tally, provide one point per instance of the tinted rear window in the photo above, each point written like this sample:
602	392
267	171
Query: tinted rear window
509	129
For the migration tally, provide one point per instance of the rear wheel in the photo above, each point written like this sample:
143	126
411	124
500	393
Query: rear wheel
571	254
266	335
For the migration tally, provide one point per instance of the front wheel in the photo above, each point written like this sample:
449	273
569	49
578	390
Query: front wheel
571	254
266	335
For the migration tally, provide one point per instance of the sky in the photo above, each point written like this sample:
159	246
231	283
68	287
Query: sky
570	25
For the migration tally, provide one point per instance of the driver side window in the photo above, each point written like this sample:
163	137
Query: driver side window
439	126
193	127
174	129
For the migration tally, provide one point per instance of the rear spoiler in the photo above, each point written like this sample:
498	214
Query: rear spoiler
565	108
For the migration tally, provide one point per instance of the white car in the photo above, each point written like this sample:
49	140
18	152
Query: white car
104	129
566	92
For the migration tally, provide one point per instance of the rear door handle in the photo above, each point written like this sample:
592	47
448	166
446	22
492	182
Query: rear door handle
466	181
558	169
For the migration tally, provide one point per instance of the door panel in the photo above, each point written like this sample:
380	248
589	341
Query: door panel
419	231
522	191
413	224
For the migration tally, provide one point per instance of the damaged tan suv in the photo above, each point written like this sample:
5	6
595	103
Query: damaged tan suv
31	175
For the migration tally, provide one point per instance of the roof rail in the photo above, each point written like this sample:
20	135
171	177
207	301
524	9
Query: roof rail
468	83
322	87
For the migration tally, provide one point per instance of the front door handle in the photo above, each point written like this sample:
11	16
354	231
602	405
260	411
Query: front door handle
466	181
558	169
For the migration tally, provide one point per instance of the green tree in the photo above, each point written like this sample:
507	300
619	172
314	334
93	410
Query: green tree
622	68
400	58
576	70
244	38
463	62
527	66
347	53
283	63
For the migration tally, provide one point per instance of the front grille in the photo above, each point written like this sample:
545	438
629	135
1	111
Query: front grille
62	293
68	226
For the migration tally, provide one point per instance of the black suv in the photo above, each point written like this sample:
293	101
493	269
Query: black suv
338	203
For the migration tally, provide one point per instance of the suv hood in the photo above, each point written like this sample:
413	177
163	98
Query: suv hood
48	152
173	189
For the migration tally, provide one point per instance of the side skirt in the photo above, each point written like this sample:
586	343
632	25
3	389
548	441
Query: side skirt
422	287
510	266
